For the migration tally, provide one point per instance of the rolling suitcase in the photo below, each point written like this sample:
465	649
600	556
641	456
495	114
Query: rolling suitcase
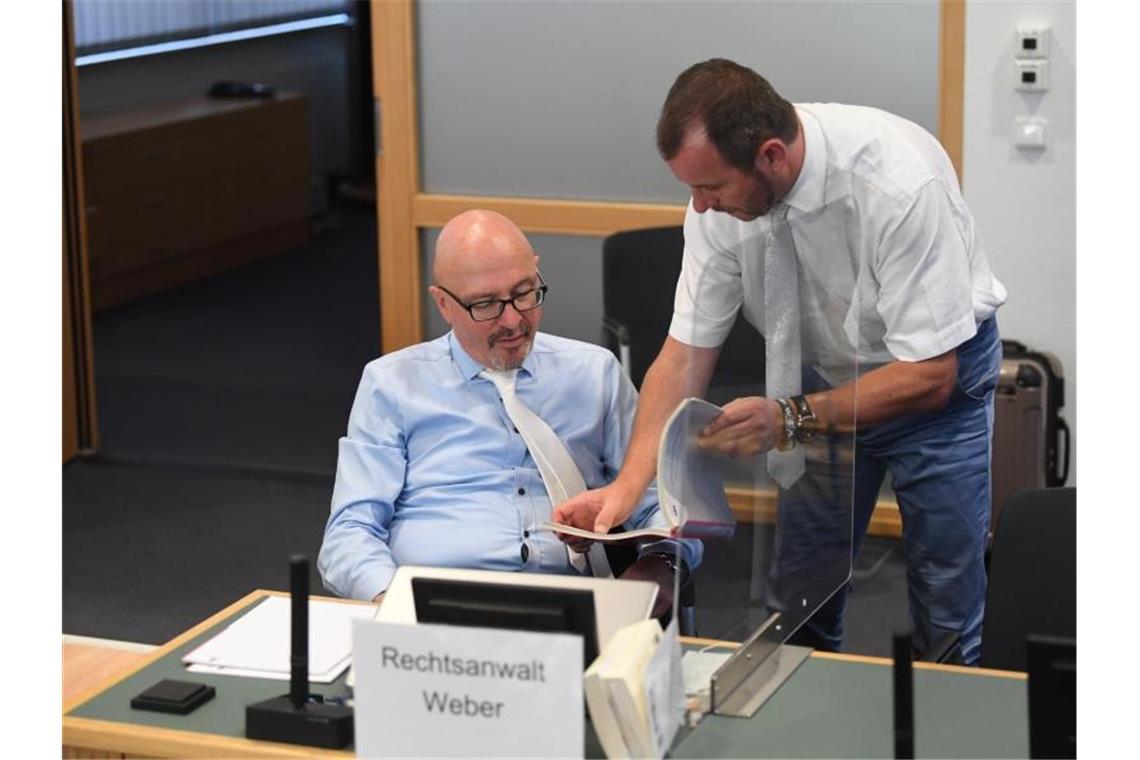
1028	428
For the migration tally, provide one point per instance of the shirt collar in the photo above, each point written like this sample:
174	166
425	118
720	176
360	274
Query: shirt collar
807	194
470	368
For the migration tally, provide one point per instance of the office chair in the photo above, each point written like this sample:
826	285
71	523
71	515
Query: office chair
621	556
1032	578
639	276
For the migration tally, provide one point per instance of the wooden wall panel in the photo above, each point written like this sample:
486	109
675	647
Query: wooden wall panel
397	173
951	74
560	217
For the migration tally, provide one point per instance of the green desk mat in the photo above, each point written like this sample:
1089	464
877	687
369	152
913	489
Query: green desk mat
224	714
829	708
832	708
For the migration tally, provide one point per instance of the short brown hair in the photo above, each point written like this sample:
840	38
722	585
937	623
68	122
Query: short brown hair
737	107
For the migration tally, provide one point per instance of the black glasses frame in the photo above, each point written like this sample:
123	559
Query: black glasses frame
540	290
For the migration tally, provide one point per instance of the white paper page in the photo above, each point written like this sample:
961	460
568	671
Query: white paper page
260	640
452	691
699	668
689	485
273	675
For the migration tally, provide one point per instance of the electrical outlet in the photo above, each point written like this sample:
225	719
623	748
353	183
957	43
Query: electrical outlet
1031	75
1032	43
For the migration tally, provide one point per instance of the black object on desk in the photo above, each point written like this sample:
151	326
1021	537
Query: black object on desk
233	89
503	605
904	697
299	717
170	696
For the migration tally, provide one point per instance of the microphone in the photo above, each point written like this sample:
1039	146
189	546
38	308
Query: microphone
299	620
299	717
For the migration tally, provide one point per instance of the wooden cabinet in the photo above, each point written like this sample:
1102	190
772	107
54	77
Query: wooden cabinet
182	190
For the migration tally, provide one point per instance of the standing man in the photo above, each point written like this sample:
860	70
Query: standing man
841	232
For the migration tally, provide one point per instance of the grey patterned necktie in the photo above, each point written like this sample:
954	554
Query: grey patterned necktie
560	474
782	359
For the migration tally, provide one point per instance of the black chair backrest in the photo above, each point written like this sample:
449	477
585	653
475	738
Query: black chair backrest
1033	575
639	277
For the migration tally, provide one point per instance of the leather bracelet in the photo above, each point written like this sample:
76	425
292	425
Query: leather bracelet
790	439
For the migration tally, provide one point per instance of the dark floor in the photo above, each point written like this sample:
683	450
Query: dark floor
220	405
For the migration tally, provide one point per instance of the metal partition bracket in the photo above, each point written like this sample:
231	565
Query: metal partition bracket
754	672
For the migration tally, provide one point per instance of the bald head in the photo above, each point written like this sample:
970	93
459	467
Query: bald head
482	257
475	241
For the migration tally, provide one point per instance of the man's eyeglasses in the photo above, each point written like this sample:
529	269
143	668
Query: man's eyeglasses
492	308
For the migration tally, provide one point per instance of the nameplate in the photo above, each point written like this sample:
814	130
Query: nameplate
450	691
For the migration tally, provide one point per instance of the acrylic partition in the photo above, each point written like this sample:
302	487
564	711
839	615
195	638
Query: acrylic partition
791	546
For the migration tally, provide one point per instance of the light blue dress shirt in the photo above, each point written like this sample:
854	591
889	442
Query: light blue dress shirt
432	471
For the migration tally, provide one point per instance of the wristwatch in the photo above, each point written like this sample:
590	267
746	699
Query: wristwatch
670	561
805	430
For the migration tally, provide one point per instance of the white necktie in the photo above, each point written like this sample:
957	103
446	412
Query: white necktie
782	335
559	473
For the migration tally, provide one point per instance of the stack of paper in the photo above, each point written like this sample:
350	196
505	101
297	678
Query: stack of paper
257	644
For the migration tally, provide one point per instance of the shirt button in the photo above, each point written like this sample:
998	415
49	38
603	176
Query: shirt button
526	534
522	492
525	552
515	429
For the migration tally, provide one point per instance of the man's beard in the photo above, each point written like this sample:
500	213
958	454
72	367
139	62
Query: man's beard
510	358
758	205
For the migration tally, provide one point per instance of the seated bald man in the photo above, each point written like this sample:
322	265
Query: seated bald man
434	472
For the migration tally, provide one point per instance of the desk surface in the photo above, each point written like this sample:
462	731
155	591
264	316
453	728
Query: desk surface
833	706
841	706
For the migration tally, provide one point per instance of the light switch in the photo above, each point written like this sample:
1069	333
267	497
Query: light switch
1031	132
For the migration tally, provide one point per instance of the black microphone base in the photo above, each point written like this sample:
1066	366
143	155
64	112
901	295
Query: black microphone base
316	724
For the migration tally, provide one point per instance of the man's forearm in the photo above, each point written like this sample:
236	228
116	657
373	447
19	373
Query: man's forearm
355	560
678	371
891	391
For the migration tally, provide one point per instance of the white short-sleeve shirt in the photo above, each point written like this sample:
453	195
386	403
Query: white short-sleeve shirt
891	265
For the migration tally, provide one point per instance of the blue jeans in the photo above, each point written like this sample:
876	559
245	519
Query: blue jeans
940	470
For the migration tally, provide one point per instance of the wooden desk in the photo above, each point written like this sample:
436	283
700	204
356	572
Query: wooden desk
834	705
838	705
86	666
759	506
139	733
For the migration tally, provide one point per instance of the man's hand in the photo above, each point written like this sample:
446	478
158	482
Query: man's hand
747	426
652	568
598	510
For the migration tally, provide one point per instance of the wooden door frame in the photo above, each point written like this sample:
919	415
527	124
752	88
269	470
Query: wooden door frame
403	208
80	423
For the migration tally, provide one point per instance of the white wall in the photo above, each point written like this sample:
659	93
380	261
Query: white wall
560	98
1025	202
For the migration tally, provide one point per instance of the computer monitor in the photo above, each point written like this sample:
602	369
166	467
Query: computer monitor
499	605
617	603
